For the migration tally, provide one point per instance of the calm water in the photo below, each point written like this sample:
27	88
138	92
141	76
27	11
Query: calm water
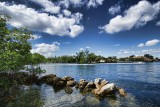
141	81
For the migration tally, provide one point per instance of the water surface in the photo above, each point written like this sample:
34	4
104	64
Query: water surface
141	81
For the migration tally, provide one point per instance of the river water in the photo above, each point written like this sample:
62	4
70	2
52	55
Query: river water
140	80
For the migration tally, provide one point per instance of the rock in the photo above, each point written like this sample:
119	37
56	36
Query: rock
90	85
61	83
67	78
97	82
56	79
82	84
106	89
44	78
68	90
49	80
71	83
122	92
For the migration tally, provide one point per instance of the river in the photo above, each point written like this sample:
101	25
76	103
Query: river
140	80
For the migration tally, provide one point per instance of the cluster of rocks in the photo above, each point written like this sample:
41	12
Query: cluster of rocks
99	87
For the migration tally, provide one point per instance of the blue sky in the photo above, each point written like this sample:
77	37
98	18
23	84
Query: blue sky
105	27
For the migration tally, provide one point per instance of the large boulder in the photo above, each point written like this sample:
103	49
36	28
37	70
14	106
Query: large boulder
61	83
47	78
90	85
103	87
67	78
82	84
71	83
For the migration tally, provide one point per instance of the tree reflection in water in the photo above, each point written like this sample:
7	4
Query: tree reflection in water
22	96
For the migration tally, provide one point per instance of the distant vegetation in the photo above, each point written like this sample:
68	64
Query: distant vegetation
87	57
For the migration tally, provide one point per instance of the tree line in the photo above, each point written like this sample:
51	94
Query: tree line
89	57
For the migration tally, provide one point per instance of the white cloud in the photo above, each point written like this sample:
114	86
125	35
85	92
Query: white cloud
152	42
114	9
139	52
56	43
141	45
79	3
23	16
35	37
48	6
45	49
81	49
66	12
149	43
158	23
64	3
116	45
76	2
94	3
87	47
124	51
136	16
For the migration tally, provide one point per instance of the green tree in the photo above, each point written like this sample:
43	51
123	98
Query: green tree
148	56
34	62
14	47
91	57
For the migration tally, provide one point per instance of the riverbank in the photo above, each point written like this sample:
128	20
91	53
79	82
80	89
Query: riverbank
99	88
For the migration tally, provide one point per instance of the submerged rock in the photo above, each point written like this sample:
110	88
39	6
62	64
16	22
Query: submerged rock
122	92
68	90
92	101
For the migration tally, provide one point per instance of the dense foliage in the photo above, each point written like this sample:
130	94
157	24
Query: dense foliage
15	48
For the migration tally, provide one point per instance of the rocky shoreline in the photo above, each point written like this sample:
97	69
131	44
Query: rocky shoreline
99	87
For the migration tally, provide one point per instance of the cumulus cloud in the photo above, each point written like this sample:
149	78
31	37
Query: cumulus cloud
23	16
158	23
46	49
149	43
141	45
152	42
114	9
79	3
66	12
76	2
48	6
136	16
94	3
35	37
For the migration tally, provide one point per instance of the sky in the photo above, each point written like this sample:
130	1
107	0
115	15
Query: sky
106	27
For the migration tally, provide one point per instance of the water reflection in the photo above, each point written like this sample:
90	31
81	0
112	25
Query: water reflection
141	81
24	96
